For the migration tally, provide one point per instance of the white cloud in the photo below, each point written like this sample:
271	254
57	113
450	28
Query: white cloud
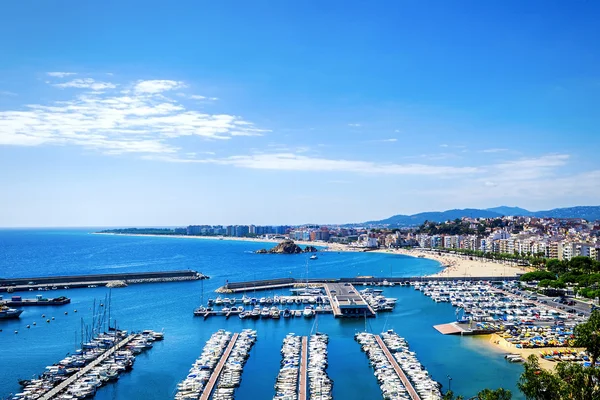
86	83
355	125
7	93
295	162
60	74
493	150
157	86
117	122
197	97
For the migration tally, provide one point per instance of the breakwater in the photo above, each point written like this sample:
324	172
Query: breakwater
78	281
267	284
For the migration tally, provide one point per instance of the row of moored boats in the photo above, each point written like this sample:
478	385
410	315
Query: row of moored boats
194	384
425	386
231	375
286	386
319	382
391	386
103	352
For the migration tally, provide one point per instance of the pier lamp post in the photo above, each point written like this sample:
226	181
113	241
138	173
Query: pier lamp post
449	383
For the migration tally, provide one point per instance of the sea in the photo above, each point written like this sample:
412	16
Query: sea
465	364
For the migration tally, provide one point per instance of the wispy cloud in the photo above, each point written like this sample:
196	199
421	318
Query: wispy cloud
355	125
157	86
494	150
296	162
86	83
60	74
142	121
7	93
390	140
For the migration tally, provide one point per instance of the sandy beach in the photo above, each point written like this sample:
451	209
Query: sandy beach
459	266
451	265
500	343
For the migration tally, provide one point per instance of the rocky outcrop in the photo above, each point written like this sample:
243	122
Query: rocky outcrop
287	247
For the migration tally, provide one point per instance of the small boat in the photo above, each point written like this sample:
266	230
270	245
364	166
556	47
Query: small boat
313	257
6	313
308	312
243	315
286	313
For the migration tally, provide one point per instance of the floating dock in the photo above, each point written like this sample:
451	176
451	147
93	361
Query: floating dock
405	381
302	382
79	281
463	329
212	381
68	382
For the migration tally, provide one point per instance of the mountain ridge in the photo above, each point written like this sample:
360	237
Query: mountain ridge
589	213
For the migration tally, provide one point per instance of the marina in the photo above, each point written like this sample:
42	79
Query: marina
81	375
231	375
483	309
385	369
291	379
343	300
414	314
201	375
320	384
411	368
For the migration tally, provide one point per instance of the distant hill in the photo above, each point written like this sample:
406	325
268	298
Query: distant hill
504	210
590	213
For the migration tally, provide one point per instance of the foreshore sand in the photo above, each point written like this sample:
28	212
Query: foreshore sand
459	266
452	265
499	343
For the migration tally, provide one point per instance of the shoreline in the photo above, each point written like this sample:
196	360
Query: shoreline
499	344
452	265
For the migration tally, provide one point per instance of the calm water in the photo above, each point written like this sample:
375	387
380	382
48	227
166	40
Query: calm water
169	306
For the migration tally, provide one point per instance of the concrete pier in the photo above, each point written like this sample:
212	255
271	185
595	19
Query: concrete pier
79	281
407	384
214	377
303	381
268	284
346	301
64	385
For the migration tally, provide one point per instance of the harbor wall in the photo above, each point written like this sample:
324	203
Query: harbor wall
20	284
361	280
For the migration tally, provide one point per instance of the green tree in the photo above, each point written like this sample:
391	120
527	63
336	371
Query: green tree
449	395
588	335
581	263
571	380
556	266
537	384
498	394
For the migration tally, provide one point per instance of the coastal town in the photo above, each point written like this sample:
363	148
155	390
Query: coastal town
524	238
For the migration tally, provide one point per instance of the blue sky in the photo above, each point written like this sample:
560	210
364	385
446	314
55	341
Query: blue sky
121	113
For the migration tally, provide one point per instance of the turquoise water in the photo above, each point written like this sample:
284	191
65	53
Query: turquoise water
169	306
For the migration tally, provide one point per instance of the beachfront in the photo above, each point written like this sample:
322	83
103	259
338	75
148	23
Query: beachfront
452	265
